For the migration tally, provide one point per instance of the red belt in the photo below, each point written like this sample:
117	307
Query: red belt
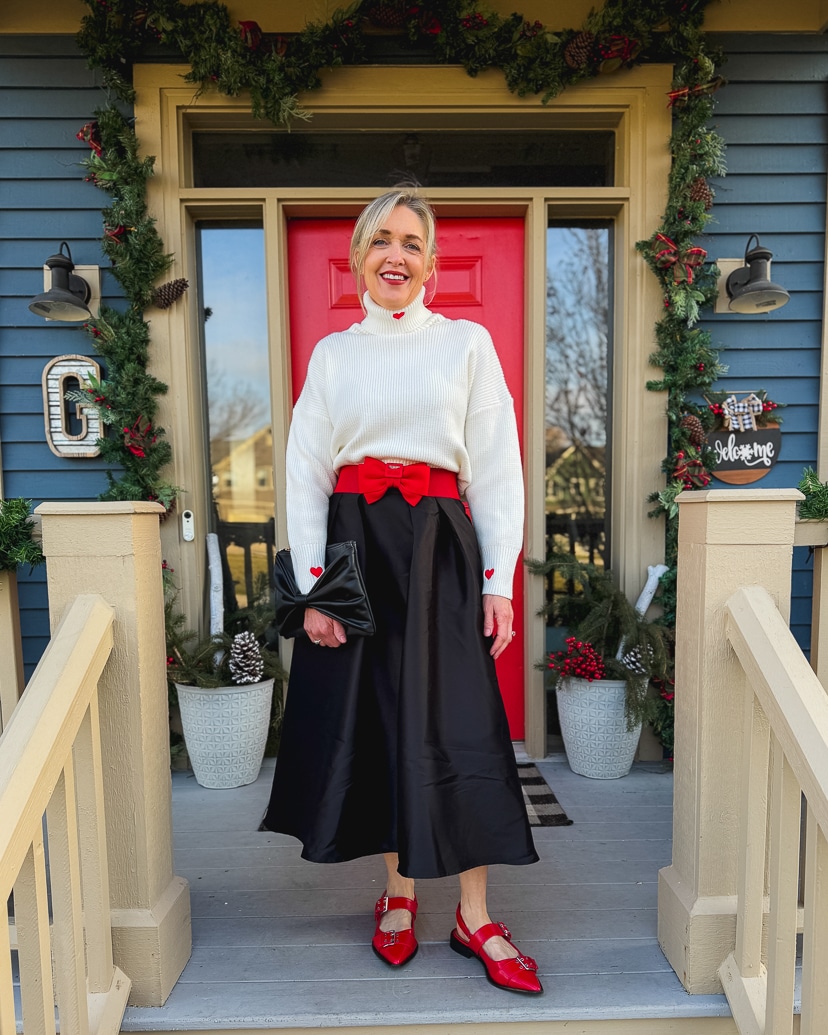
373	477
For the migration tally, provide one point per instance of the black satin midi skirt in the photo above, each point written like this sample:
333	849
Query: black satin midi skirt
399	742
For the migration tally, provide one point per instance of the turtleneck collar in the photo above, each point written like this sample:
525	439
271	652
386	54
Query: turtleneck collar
383	321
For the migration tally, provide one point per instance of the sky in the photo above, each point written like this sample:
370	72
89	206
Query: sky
233	278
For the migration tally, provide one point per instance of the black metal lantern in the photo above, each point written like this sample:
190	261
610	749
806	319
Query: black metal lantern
69	294
749	288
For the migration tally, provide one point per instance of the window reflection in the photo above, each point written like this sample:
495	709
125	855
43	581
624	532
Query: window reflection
577	390
238	406
308	157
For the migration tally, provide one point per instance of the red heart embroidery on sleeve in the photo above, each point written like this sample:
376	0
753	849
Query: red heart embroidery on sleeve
399	316
489	572
316	572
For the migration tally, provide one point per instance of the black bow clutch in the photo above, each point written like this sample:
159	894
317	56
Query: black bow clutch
339	593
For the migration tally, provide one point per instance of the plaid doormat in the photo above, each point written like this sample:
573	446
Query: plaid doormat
541	804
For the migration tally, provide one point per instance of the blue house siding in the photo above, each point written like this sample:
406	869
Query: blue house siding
773	116
46	95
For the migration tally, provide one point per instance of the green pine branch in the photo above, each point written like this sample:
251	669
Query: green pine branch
17	543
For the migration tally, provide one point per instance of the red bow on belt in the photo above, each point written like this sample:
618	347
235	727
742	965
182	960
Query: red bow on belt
375	478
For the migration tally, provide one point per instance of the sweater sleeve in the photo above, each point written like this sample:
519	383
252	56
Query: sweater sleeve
310	475
495	489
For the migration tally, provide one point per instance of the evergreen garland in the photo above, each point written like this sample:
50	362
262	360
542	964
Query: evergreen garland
685	354
17	543
127	399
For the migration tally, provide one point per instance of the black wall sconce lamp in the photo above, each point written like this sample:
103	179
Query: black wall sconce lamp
749	287
68	295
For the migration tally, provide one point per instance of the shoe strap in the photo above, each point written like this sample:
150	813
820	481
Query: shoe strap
385	903
482	934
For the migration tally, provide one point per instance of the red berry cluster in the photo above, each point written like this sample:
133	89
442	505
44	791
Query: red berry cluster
716	409
666	689
474	21
579	660
767	406
531	29
99	400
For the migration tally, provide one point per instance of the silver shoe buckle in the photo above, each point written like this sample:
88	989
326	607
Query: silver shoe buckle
381	907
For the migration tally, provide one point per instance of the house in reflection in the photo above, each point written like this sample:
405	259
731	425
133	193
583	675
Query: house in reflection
243	502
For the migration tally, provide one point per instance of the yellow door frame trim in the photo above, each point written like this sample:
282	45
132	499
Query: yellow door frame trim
632	103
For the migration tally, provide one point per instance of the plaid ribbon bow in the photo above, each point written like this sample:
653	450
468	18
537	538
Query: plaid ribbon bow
681	262
741	416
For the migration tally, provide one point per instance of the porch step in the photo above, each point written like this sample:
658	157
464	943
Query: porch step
282	945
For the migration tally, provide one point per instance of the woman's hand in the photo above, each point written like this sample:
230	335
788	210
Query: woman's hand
323	631
497	619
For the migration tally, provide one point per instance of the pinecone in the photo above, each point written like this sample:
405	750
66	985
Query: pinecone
169	293
579	49
634	661
246	665
694	428
387	14
700	191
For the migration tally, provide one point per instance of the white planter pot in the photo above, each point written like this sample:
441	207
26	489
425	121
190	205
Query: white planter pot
594	729
225	730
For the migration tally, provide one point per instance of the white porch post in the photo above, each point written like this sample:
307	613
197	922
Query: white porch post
114	549
727	538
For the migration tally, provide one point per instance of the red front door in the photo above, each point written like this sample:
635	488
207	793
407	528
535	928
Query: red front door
480	278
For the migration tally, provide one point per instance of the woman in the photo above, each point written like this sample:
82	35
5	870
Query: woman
397	744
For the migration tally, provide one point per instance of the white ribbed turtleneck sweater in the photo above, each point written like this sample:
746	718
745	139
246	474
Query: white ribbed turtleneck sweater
413	389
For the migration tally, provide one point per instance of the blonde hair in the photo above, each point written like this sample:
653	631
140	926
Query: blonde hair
377	212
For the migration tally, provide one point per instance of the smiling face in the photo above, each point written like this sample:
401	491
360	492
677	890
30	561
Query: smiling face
395	265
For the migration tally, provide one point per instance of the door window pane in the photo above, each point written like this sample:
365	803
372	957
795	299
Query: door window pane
238	405
578	353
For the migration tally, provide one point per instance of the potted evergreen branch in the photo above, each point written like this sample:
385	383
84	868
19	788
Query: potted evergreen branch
224	686
603	674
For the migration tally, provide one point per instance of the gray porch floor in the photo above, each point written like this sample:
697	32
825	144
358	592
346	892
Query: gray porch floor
279	942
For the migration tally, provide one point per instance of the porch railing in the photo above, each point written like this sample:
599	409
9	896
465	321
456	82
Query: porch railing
50	766
53	762
785	747
751	746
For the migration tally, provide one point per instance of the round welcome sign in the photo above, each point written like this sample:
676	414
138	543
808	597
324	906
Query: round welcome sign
745	456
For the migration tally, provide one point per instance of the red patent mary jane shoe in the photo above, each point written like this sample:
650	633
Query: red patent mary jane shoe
515	975
395	947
